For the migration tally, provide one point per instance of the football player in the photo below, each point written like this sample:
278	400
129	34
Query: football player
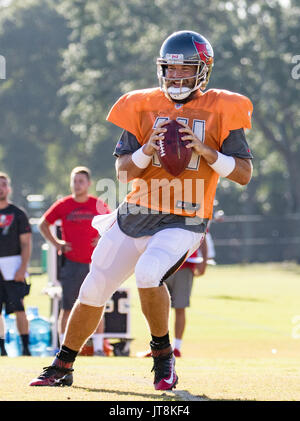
149	235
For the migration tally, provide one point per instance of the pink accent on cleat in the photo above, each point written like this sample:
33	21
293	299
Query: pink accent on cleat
165	377
54	376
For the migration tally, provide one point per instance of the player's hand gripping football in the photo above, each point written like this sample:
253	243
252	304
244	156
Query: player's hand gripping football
158	133
209	154
195	143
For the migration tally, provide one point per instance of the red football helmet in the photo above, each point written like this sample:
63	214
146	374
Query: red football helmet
185	48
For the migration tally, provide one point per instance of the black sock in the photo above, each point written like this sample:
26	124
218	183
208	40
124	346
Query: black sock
25	340
160	342
2	342
2	347
66	354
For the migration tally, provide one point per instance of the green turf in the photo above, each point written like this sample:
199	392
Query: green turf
241	343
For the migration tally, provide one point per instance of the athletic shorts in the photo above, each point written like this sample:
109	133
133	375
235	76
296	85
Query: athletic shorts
11	295
180	287
71	276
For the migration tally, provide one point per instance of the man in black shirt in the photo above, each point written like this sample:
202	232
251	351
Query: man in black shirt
15	252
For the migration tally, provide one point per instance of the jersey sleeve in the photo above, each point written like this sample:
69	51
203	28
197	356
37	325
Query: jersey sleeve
127	144
23	223
236	145
125	114
236	112
54	212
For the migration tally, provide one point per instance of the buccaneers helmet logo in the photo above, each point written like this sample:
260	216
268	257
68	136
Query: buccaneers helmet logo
204	51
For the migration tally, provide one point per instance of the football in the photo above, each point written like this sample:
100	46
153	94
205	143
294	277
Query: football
172	154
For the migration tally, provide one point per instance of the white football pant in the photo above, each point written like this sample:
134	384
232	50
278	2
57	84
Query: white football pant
117	256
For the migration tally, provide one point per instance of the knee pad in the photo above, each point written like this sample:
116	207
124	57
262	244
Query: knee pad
148	271
93	289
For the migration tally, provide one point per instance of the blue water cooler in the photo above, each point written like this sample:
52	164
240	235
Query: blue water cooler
39	333
13	344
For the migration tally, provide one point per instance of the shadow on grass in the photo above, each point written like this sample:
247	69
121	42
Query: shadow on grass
184	395
172	396
178	395
235	298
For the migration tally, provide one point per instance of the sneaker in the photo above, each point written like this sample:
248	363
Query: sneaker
3	353
165	377
54	376
26	352
177	353
144	354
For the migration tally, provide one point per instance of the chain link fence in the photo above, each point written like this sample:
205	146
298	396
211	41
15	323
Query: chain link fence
255	238
237	239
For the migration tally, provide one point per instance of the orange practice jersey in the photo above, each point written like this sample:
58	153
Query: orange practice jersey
211	115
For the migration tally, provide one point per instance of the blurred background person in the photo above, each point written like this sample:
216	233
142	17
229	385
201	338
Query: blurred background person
15	253
211	251
2	337
76	246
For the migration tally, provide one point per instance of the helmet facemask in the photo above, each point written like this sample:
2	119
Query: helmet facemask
182	92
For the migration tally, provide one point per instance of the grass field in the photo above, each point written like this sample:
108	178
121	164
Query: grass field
241	343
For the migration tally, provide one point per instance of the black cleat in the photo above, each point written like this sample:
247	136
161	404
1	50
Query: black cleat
54	376
165	377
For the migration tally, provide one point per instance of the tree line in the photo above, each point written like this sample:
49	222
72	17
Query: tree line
68	61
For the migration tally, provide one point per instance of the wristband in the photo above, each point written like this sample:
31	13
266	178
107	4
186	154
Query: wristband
140	159
224	165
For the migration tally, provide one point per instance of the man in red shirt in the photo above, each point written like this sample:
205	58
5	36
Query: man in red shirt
78	241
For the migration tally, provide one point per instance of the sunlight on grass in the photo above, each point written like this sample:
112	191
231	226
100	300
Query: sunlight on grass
241	343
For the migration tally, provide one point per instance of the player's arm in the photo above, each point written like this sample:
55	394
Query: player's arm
126	169
232	167
242	172
241	168
26	247
132	165
60	245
